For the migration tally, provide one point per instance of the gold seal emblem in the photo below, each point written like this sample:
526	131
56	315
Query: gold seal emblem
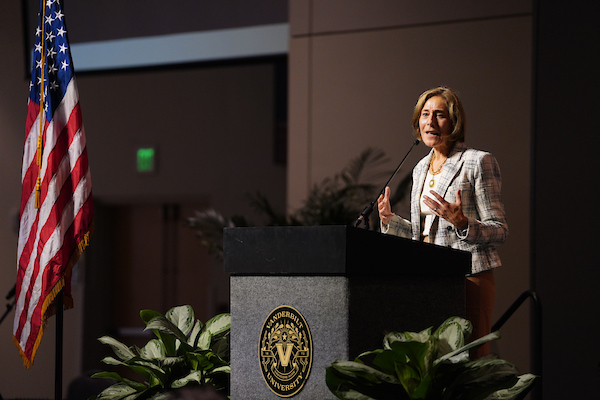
285	351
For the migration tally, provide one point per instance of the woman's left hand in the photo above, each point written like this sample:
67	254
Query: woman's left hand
451	212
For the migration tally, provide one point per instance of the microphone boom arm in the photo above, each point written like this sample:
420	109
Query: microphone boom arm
364	215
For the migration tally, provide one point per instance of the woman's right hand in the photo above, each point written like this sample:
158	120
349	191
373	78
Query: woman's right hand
383	205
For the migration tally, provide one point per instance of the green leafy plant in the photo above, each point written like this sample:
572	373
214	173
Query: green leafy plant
426	365
336	200
185	352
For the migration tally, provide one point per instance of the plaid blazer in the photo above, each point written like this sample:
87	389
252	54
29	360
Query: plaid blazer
477	174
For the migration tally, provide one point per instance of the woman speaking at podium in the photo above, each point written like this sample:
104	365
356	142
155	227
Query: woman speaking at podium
455	200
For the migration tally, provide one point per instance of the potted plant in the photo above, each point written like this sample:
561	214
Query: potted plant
430	366
185	353
336	200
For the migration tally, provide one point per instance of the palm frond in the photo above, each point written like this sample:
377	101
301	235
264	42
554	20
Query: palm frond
336	200
367	162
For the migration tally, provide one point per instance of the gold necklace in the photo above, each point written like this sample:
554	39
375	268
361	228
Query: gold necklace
434	173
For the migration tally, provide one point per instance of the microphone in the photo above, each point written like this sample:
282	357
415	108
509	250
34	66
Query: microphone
364	215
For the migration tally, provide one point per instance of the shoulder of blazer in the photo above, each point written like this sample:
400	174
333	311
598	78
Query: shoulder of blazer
463	154
468	153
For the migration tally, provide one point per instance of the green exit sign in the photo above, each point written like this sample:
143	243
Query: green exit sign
146	159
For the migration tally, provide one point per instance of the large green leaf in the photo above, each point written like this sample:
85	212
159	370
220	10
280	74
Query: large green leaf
116	377
226	369
414	362
474	344
465	326
220	347
452	335
419	354
524	383
116	392
154	374
168	340
108	375
195	333
215	326
147	315
194	376
140	362
200	361
153	350
398	353
113	361
409	357
218	324
204	340
346	384
182	317
151	371
358	370
120	350
369	353
478	379
163	325
393	337
424	389
140	387
409	377
173	362
385	360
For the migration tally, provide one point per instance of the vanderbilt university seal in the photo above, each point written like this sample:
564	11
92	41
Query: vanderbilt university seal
285	351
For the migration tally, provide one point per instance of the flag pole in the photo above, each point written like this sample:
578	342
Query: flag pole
58	357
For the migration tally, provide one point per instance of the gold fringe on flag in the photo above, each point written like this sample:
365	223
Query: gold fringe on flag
48	307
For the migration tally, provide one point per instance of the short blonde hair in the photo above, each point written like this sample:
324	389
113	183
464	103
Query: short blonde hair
455	109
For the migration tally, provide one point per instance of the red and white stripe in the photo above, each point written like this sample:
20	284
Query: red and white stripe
51	237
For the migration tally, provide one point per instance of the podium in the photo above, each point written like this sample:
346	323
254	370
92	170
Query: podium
349	285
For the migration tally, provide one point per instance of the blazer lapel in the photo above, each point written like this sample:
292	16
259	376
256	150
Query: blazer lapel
451	168
420	172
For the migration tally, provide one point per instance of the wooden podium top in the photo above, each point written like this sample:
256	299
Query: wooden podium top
334	250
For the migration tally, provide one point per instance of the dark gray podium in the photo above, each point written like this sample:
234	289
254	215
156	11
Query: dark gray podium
351	286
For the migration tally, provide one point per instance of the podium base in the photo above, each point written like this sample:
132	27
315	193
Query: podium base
346	315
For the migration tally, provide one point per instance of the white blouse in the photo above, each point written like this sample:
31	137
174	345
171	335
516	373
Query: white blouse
427	215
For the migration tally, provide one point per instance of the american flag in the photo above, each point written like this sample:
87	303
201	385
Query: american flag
56	202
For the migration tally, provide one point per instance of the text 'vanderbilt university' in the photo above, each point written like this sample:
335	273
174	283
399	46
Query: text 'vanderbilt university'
285	351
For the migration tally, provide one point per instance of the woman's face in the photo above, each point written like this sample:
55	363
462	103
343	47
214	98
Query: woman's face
435	123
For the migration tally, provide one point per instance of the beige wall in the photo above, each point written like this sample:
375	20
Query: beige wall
356	70
213	128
